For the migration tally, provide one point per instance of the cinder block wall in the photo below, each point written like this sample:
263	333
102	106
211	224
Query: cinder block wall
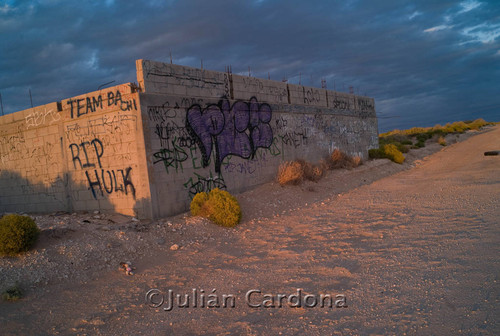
82	154
206	129
147	151
31	149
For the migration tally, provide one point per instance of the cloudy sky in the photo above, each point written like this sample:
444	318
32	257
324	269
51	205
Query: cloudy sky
424	61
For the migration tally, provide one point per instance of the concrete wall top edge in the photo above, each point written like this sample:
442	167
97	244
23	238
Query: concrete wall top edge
148	70
145	65
172	79
55	107
124	88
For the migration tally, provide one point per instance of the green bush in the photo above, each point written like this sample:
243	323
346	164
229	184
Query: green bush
422	137
17	234
402	148
420	144
219	206
13	293
389	151
376	153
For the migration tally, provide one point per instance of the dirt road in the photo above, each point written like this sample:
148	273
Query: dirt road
412	253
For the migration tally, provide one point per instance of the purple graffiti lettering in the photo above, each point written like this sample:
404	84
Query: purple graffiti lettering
233	130
205	124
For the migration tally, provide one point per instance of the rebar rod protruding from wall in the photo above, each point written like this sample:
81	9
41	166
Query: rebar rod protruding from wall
103	85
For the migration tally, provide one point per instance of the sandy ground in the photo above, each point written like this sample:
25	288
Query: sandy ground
413	248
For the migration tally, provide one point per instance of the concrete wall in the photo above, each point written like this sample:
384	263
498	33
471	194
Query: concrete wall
232	132
83	153
31	152
147	151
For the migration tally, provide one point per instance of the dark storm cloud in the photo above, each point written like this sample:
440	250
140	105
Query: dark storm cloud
424	61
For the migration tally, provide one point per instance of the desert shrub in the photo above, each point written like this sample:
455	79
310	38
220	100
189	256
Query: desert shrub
376	153
424	133
196	205
338	160
441	141
17	234
420	144
395	138
13	293
323	165
219	206
312	172
291	172
402	148
294	172
422	137
456	127
478	123
415	130
356	161
391	152
402	139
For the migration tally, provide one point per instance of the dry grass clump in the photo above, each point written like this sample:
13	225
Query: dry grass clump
357	161
290	172
339	159
312	172
441	141
294	172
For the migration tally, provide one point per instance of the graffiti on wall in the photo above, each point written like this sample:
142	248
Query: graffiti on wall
365	104
237	130
176	144
204	184
312	96
83	106
45	117
87	155
172	156
342	103
348	102
277	92
104	124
